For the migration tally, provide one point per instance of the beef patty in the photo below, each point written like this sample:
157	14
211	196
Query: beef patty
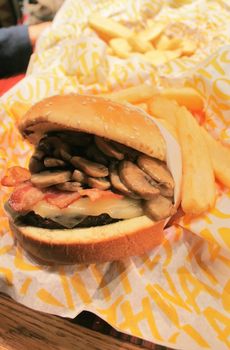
32	219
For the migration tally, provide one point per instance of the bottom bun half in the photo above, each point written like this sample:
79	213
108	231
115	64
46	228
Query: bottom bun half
90	245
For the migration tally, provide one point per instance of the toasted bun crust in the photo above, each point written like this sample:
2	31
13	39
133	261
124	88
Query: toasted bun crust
125	124
90	245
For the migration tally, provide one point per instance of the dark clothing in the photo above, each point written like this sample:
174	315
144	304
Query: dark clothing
15	50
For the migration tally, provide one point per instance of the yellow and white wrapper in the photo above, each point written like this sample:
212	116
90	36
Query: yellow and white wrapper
178	294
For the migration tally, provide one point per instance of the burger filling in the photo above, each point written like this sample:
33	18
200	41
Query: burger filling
81	180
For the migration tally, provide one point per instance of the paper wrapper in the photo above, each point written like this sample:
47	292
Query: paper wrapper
178	294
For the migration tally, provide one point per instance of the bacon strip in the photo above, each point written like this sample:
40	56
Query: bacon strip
25	196
61	199
95	194
15	175
64	199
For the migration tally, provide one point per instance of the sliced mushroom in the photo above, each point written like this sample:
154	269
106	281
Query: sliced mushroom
137	180
157	170
65	154
106	147
90	168
79	176
48	144
54	162
53	146
69	186
95	154
35	165
48	178
44	146
159	208
100	183
75	138
117	183
63	151
166	191
38	154
129	153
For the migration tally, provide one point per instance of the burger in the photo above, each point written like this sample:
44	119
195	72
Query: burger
102	182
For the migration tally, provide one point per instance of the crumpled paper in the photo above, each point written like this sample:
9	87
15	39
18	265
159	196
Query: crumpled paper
177	295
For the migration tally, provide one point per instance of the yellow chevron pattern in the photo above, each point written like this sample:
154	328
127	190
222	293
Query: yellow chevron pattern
179	293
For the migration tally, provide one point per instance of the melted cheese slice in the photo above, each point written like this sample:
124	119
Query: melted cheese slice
123	208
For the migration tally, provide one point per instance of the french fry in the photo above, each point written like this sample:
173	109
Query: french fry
198	185
163	108
120	47
188	47
174	44
220	156
151	33
140	45
108	28
155	57
158	57
165	43
185	96
162	42
134	94
172	54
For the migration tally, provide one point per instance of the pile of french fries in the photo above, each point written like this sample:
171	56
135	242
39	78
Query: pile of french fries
153	43
204	159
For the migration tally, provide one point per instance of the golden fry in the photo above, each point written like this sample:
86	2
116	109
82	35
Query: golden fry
198	185
174	44
108	28
158	57
185	96
162	42
188	47
173	54
140	45
151	33
163	108
120	47
220	156
165	43
134	94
